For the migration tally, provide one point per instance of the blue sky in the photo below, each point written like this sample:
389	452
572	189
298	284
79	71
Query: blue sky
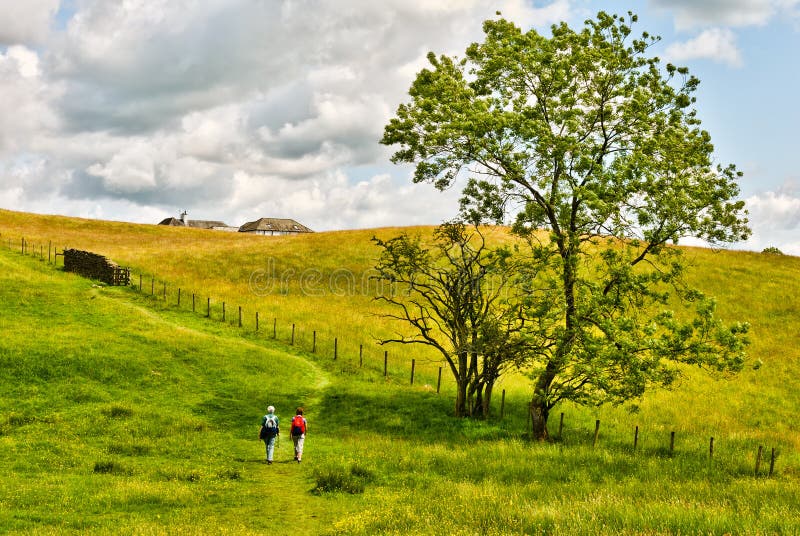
239	109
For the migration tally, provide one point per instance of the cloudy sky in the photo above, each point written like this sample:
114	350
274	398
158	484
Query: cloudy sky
135	110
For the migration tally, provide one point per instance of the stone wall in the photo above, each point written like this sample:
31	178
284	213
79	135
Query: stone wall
95	266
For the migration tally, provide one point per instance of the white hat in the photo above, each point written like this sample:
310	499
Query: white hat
271	409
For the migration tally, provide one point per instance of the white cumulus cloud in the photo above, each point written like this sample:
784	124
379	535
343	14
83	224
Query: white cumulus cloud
25	100
26	22
223	106
717	44
693	13
775	219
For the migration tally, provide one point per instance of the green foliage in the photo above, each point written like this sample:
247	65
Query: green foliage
772	250
589	140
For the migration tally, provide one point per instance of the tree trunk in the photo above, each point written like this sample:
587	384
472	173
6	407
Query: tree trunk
479	401
487	399
539	414
461	398
540	408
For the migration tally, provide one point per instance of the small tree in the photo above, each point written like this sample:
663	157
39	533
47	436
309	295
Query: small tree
588	140
452	293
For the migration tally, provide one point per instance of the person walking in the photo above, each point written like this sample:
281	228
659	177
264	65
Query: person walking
298	433
270	430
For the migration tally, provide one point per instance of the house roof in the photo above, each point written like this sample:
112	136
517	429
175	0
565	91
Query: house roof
199	224
282	225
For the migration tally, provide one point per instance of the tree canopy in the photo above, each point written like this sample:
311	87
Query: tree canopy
594	150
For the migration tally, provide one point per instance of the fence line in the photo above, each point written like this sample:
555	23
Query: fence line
31	249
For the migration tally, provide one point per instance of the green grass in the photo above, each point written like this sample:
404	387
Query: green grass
121	413
116	418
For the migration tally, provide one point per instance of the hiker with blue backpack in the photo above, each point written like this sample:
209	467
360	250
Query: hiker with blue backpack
270	430
298	433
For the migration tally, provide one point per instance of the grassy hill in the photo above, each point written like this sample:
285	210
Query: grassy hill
122	412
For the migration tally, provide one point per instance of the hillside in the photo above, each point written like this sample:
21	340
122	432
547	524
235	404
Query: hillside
123	411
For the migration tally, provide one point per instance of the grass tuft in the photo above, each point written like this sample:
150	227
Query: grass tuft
118	411
341	480
110	467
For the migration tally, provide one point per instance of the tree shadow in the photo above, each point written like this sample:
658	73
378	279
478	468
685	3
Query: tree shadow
397	412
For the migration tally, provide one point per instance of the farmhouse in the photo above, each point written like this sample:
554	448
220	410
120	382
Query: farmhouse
274	226
197	224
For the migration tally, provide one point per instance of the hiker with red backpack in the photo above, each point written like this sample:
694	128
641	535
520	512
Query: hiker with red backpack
299	427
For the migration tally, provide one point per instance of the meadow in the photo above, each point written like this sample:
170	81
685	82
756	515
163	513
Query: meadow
121	412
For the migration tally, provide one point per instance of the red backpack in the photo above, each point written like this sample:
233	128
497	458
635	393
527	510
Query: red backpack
298	425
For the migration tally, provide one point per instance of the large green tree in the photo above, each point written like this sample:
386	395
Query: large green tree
595	149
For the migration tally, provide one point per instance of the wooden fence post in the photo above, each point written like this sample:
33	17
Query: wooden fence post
208	308
49	244
335	348
360	355
758	458
711	448
256	320
385	362
413	365
179	296
152	286
223	311
240	316
314	342
772	462
165	292
140	282
560	424
671	443
274	328
635	438
292	334
439	381
503	405
192	301
596	432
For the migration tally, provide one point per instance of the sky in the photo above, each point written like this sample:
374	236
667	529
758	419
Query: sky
232	110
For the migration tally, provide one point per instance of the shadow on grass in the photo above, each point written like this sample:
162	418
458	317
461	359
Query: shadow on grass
394	411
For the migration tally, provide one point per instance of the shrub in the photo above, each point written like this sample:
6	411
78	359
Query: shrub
773	250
